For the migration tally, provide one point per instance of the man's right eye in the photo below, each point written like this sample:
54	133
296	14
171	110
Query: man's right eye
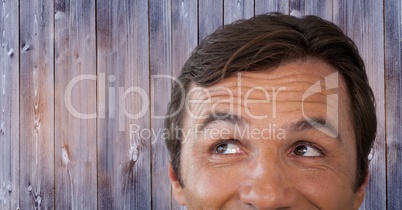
306	149
226	148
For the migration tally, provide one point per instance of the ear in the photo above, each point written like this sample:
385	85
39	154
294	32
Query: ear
177	189
359	195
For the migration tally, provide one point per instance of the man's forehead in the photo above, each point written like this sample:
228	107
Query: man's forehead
294	76
300	89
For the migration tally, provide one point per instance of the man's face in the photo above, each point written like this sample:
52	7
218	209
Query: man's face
250	142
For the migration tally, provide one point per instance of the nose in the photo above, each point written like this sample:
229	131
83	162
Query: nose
268	188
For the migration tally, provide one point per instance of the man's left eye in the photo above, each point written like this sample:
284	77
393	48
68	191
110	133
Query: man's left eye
306	150
227	148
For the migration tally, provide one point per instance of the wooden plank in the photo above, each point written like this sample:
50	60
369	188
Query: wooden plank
36	105
160	68
320	8
124	169
393	66
210	17
75	142
362	21
264	6
297	8
184	32
184	40
237	9
9	103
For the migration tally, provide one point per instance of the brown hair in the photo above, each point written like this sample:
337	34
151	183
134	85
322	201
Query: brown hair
267	41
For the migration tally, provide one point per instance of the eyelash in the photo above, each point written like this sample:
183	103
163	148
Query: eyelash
318	148
212	149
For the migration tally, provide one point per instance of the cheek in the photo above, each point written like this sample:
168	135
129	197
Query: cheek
325	189
334	186
212	187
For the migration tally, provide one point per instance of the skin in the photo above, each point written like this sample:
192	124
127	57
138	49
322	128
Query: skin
303	167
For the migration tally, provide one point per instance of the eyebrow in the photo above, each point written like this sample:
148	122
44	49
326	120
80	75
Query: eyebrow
222	116
293	127
313	124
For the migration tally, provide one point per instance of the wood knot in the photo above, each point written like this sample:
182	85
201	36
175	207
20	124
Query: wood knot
10	53
26	47
65	159
37	200
134	153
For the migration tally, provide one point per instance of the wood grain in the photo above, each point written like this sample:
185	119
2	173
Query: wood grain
124	171
237	9
161	69
263	6
184	32
297	8
393	87
359	20
184	40
210	17
320	8
51	158
75	136
9	105
36	105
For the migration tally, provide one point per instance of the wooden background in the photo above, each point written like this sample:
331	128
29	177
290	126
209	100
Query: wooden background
50	159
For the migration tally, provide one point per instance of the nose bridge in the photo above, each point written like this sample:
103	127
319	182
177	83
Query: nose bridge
268	163
268	186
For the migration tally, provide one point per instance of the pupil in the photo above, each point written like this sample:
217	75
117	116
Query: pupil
301	150
221	148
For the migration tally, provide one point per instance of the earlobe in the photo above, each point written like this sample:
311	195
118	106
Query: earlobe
359	195
177	189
